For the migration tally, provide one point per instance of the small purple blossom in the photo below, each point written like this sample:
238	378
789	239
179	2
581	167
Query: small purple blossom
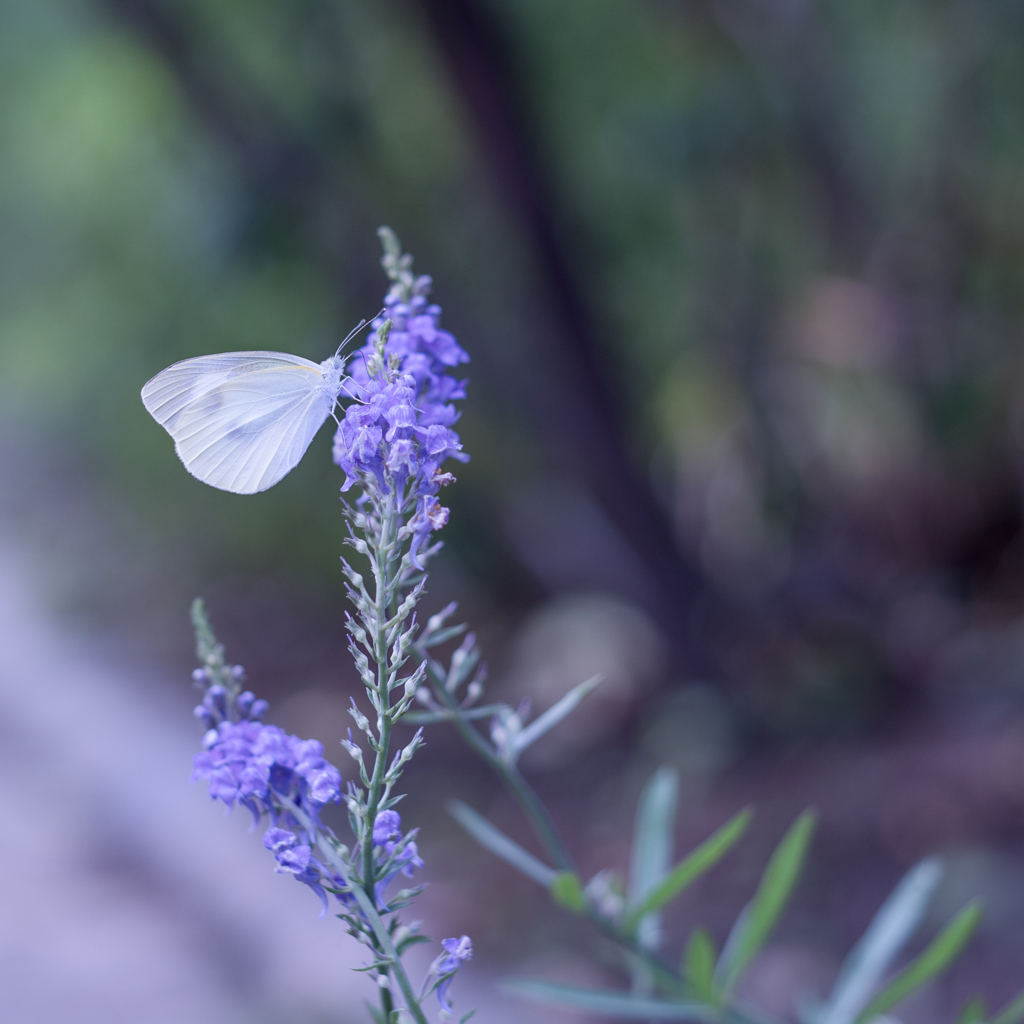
430	515
292	855
387	829
295	857
400	851
457	952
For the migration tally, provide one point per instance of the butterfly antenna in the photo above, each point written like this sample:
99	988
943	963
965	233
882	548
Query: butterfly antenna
355	330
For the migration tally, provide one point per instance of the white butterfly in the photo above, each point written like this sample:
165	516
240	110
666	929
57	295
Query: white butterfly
242	420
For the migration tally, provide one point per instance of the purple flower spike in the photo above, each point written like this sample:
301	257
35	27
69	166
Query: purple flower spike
402	424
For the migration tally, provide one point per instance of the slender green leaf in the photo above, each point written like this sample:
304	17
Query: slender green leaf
433	639
691	867
652	846
610	1004
652	834
500	844
973	1012
1012	1014
762	913
542	723
409	941
430	717
466	1016
887	934
946	945
699	964
567	891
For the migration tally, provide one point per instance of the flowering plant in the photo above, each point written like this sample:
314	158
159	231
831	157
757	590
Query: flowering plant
392	442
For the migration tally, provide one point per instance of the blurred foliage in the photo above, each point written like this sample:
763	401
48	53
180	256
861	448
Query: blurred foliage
795	229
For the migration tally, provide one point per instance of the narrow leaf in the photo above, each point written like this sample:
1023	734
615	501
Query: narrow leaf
769	901
567	891
973	1012
691	867
430	717
552	716
610	1004
500	844
466	1016
1012	1014
433	639
946	945
652	846
408	941
731	947
699	964
887	934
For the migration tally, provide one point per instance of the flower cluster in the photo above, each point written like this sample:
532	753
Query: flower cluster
421	349
223	703
398	431
266	770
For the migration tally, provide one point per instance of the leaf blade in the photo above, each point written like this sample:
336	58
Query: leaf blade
699	964
1013	1013
973	1012
692	866
891	927
608	1003
651	854
554	714
943	948
763	911
500	845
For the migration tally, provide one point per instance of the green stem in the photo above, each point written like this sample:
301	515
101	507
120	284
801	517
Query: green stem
366	904
387	1004
384	547
545	828
535	811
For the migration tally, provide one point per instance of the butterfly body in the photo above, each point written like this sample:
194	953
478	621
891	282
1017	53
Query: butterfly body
242	420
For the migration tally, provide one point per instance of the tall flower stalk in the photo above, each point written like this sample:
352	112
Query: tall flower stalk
391	442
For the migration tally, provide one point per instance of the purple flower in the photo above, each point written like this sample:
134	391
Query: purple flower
387	829
292	856
251	763
295	858
457	951
387	836
403	425
430	516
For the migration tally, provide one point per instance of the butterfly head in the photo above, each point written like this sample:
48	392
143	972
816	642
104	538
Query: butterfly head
333	370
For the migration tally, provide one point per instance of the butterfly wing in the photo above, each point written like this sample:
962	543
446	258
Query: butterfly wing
240	420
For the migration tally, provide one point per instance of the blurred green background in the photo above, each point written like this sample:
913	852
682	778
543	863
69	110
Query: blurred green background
742	285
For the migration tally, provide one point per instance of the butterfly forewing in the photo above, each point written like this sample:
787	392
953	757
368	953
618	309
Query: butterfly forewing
240	420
